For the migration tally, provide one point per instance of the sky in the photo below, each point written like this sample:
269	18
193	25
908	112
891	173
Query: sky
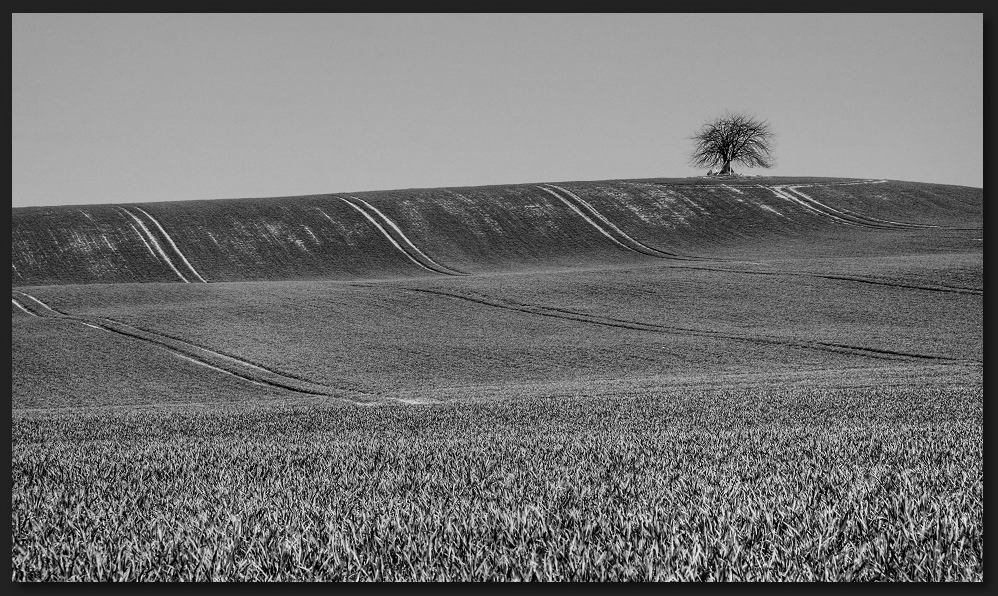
117	108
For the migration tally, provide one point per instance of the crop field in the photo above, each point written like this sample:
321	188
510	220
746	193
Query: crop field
663	379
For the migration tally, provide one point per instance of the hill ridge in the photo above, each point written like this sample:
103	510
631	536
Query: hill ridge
470	230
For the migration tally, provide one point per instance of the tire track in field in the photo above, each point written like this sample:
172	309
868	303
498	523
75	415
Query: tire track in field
205	364
571	315
402	238
792	193
143	238
146	234
383	232
868	219
226	363
859	350
21	306
832	276
395	235
611	231
783	194
899	224
172	244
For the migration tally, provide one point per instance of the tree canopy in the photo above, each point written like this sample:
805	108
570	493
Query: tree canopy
733	138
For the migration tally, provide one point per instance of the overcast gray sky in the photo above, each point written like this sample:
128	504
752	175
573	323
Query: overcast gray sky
130	108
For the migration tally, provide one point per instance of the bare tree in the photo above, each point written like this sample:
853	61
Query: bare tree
733	138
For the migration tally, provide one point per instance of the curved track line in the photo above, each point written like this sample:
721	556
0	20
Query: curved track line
21	306
585	204
636	245
777	190
819	345
199	352
39	302
655	328
859	217
586	217
828	211
159	248
151	251
260	368
383	231
405	238
221	370
842	215
206	356
170	240
866	280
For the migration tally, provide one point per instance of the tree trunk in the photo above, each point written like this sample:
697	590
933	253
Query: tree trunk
726	168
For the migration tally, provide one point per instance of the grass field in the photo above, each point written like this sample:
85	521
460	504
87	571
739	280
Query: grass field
650	379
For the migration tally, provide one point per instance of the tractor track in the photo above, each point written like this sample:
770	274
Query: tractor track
21	306
782	193
384	233
237	367
582	207
146	234
792	193
600	320
150	241
842	215
864	219
394	234
173	245
852	278
403	239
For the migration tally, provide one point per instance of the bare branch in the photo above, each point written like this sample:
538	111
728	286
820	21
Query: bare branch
733	138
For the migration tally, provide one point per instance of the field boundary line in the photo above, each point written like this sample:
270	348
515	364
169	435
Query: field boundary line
175	248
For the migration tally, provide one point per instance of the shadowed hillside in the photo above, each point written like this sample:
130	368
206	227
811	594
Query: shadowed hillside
456	231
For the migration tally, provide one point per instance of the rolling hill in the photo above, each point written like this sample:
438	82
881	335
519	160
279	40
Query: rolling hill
428	294
453	231
686	379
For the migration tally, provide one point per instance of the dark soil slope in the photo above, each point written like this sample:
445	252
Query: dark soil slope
453	231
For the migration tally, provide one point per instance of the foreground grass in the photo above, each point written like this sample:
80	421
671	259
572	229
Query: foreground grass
862	484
